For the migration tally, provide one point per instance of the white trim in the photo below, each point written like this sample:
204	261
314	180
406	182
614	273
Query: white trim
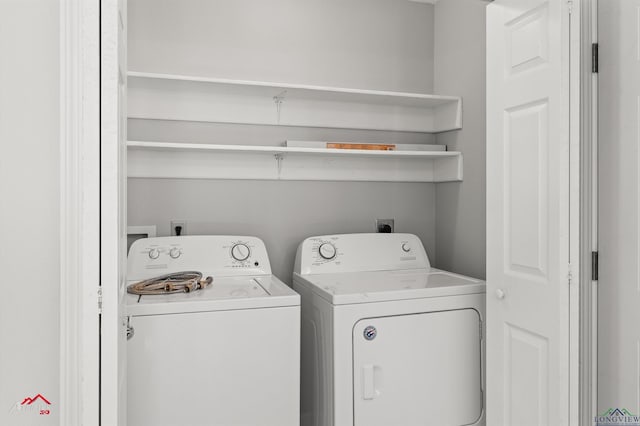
79	215
588	217
113	193
593	324
576	188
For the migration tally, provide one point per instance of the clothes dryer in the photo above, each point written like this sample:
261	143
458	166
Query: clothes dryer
386	339
225	355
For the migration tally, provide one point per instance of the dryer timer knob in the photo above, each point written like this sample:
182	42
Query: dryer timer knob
327	251
174	253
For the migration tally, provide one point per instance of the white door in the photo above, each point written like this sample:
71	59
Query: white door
419	369
528	213
619	206
113	195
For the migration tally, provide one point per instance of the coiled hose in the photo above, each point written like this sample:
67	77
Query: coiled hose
177	282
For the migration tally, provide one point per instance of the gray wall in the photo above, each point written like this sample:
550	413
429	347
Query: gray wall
282	213
369	44
372	44
460	70
29	206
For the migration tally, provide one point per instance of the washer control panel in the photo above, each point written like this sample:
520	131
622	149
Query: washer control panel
360	252
213	255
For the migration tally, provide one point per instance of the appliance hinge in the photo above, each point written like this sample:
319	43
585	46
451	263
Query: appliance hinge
130	330
594	266
594	57
99	300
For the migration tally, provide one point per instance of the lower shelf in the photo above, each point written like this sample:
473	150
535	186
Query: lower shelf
210	161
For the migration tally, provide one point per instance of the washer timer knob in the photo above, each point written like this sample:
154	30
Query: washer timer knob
406	247
327	251
174	253
240	252
154	253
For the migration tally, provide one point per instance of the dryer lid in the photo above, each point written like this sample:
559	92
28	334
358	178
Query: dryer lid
378	286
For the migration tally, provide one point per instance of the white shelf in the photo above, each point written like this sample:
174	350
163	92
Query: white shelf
209	161
177	97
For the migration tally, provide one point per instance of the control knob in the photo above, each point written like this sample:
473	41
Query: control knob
154	253
327	251
175	253
240	252
406	247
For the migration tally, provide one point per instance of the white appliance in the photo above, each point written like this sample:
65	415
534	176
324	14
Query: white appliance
225	355
386	339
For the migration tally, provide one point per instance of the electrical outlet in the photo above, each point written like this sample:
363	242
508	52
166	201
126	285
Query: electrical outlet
384	225
178	227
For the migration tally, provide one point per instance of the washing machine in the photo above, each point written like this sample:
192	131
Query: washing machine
386	339
228	354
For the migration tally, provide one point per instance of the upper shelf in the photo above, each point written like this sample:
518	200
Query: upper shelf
177	97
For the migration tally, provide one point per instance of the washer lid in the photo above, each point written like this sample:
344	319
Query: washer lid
379	286
225	293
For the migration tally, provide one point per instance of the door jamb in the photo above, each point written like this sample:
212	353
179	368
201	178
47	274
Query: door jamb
588	214
79	211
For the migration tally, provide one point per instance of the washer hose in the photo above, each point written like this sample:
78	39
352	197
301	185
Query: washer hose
177	282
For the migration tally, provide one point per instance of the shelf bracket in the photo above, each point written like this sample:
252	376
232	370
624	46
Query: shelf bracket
279	158
279	99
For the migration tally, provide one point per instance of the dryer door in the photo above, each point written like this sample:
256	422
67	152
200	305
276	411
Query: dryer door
418	369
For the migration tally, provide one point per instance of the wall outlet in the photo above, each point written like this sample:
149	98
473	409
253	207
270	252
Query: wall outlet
178	227
384	225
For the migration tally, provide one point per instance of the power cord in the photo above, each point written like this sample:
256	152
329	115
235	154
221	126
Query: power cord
177	282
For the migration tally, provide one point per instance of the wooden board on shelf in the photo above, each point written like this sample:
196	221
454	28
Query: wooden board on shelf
396	146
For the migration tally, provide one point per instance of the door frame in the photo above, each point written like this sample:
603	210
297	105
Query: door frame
587	333
79	212
584	131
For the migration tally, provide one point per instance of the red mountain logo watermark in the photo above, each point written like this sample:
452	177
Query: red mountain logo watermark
29	401
38	405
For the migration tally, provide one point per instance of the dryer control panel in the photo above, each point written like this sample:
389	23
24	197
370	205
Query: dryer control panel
215	255
360	252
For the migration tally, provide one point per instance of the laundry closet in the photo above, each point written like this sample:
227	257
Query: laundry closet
228	112
362	47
